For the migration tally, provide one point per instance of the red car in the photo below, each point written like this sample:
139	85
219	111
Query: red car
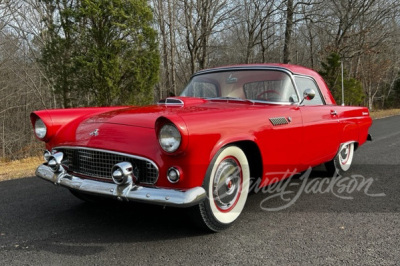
231	126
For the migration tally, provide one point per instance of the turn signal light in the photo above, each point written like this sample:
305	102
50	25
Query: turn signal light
173	175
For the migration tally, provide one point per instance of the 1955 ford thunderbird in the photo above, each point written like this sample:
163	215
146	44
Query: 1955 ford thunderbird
230	127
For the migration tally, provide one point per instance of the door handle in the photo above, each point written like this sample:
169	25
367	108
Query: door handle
333	112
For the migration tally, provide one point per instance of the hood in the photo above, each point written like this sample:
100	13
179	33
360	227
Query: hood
170	107
136	125
112	129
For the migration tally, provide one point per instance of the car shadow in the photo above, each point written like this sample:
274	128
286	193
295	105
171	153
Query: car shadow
117	222
37	215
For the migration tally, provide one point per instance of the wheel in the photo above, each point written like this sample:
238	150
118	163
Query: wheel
342	161
227	186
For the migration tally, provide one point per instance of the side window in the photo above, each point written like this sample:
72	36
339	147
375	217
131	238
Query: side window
304	83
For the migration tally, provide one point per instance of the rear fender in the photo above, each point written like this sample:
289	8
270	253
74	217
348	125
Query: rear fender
350	133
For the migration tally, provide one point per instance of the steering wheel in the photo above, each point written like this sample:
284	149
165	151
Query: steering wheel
262	97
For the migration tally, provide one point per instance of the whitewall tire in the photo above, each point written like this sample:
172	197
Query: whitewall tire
227	185
342	161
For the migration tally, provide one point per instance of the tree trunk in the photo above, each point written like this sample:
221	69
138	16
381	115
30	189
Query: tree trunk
171	14
205	31
163	32
288	32
370	102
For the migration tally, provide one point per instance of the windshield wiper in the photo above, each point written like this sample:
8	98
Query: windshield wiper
231	98
226	98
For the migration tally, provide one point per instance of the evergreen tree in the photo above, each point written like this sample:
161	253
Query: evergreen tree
102	52
353	90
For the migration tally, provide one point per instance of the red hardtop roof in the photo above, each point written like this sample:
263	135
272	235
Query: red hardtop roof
296	69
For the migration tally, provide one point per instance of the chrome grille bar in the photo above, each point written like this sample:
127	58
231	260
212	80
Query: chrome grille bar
96	163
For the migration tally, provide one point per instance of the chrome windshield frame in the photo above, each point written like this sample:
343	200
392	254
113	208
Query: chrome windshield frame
255	68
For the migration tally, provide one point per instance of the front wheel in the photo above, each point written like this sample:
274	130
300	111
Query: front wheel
227	186
342	161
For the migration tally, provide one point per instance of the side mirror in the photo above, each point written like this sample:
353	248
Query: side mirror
308	95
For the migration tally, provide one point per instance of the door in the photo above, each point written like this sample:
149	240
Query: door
321	127
280	140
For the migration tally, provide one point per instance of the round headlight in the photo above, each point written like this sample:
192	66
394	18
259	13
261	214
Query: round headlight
40	129
169	138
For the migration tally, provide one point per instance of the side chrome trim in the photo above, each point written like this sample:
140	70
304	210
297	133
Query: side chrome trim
128	192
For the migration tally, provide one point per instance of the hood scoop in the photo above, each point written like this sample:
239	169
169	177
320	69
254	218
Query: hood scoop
171	101
181	101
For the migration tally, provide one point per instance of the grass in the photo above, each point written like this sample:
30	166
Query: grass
384	113
19	168
26	167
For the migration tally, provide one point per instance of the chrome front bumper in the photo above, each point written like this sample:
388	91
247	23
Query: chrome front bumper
129	192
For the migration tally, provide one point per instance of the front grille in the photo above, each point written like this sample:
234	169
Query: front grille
94	163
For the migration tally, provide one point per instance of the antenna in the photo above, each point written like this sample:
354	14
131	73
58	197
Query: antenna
342	84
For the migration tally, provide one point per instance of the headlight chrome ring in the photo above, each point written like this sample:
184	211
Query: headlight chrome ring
40	128
169	138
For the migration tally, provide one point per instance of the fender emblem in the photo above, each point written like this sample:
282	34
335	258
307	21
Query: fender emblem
95	133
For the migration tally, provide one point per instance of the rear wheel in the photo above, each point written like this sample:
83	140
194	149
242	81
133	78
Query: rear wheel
342	161
227	186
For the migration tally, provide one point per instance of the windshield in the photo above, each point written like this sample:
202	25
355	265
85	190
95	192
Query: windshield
260	85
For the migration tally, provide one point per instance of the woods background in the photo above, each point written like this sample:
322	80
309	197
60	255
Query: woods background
68	53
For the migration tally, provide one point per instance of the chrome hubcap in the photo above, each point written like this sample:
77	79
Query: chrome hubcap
227	184
344	154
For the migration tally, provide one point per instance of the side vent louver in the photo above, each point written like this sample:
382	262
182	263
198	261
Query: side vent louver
277	121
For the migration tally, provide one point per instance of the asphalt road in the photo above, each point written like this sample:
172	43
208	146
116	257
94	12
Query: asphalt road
352	220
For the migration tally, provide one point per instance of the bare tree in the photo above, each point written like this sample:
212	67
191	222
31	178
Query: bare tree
253	26
295	12
202	19
23	86
288	31
165	13
360	31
